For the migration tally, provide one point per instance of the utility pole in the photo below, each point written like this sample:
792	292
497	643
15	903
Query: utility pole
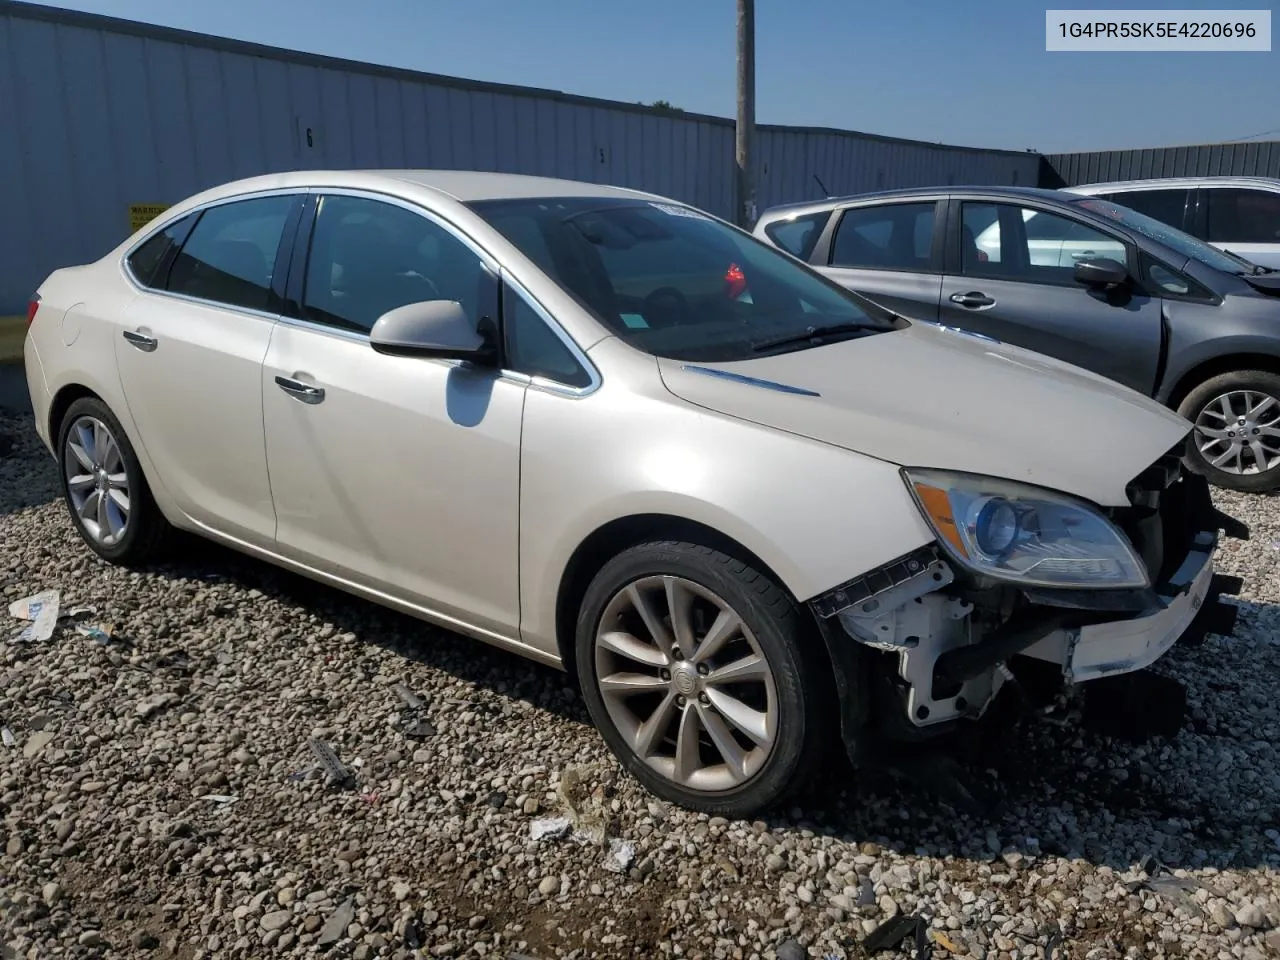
746	126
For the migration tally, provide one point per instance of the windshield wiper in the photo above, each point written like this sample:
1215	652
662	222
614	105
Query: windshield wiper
815	335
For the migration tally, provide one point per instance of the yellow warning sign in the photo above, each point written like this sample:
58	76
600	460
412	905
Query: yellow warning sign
140	214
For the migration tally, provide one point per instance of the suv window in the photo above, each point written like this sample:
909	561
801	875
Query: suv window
1007	241
149	262
231	253
1167	206
532	347
798	235
369	257
897	236
1243	216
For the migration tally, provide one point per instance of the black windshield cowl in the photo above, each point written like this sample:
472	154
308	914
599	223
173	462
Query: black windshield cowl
817	336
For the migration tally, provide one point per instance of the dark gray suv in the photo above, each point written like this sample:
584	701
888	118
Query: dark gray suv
1078	278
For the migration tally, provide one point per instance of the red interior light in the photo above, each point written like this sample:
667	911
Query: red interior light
735	282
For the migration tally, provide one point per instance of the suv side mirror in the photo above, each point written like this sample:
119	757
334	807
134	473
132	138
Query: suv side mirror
1101	272
431	328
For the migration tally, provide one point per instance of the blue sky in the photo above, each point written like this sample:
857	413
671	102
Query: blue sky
973	73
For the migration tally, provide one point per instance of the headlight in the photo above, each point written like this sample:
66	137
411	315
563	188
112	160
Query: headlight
1025	534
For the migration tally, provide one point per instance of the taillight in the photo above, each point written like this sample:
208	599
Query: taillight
32	306
735	282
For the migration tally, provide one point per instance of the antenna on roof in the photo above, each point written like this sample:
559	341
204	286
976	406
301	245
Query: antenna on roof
825	191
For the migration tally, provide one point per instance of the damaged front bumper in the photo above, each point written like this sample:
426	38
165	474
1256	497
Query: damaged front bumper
1098	650
953	638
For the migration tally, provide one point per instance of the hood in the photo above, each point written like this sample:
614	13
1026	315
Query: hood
932	396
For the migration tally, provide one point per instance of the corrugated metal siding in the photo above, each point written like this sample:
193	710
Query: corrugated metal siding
1261	159
100	113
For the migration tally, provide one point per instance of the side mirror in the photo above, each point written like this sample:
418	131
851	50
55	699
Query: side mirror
1101	272
431	328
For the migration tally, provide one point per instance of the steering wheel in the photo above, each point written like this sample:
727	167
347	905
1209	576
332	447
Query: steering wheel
665	307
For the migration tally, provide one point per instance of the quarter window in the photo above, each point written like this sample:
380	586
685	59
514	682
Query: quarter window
1243	216
533	348
230	256
150	262
369	257
798	235
894	237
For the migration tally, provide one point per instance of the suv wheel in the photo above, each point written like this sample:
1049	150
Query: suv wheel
102	483
1236	437
699	672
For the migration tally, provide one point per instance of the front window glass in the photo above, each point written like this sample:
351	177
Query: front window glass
1171	237
676	283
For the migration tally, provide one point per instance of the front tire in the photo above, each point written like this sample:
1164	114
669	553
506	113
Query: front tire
701	674
1235	442
106	494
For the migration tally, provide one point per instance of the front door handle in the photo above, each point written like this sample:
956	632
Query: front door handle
972	300
1083	255
303	391
141	340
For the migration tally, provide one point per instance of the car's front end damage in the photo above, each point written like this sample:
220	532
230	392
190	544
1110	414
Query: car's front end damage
932	638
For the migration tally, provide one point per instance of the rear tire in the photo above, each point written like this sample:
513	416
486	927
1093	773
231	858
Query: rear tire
1236	420
666	715
102	483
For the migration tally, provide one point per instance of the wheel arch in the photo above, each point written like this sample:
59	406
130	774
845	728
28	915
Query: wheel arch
61	403
622	533
1215	366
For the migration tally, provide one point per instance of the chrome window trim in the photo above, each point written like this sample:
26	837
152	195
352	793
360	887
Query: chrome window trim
490	261
141	287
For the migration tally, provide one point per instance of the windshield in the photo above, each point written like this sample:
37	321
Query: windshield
675	283
1171	237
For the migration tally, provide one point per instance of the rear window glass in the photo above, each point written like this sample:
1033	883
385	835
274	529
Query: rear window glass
799	235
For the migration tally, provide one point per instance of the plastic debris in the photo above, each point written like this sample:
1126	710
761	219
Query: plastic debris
36	743
101	634
894	931
622	853
419	730
411	699
791	950
1178	891
222	799
335	928
40	608
338	774
412	938
7	738
553	827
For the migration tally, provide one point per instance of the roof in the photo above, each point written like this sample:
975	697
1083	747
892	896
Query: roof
995	192
1155	183
466	186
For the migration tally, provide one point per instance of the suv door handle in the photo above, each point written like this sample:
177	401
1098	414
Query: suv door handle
140	340
303	391
1083	254
973	300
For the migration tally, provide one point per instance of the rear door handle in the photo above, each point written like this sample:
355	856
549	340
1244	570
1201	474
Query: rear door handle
303	391
141	340
973	300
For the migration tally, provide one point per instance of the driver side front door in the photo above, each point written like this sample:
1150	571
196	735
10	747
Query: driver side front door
399	474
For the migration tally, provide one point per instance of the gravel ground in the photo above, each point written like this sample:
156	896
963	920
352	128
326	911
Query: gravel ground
222	669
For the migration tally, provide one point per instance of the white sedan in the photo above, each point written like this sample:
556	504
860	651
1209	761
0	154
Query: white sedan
754	514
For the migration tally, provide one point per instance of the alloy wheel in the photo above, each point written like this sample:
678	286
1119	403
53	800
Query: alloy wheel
97	482
1239	432
686	683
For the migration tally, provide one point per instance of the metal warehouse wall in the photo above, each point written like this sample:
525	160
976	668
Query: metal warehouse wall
1206	160
100	114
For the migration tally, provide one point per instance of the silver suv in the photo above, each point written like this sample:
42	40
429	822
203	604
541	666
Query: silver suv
1239	214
